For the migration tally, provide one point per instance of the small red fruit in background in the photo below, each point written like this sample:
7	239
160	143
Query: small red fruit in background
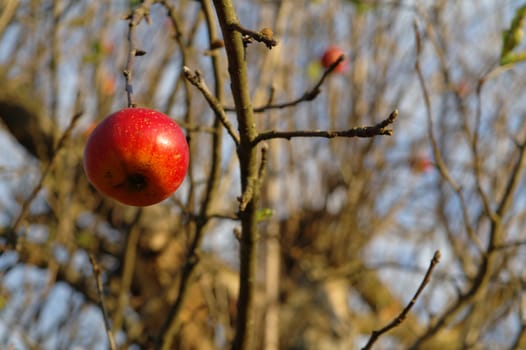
109	85
88	130
137	156
462	89
107	47
420	164
330	56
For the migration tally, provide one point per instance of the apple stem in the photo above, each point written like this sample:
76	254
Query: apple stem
142	11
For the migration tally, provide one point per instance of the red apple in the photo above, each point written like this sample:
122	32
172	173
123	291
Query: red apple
330	56
137	156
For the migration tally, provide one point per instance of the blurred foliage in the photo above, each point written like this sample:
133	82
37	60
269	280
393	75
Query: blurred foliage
512	37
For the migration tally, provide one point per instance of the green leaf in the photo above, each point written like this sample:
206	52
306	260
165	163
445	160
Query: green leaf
361	6
512	58
134	3
264	214
512	37
85	240
314	70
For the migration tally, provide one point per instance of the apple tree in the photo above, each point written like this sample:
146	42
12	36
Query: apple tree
355	177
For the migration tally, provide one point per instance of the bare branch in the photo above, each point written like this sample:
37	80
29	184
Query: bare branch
440	165
308	95
173	320
254	183
401	317
98	280
11	236
128	265
134	18
198	82
436	151
263	36
248	164
8	11
263	162
361	131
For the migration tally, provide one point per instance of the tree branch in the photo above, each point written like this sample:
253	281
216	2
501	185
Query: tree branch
98	280
361	131
248	164
173	321
263	36
401	317
255	183
213	102
134	18
308	95
440	164
11	235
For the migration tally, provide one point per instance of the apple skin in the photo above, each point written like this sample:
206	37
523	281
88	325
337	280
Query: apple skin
137	156
330	55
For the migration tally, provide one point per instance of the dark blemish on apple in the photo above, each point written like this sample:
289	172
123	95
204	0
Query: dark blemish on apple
136	181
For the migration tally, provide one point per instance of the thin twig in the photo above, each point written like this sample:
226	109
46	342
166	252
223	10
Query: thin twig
8	12
223	216
198	82
401	317
254	183
263	162
427	100
440	165
272	91
510	189
128	267
98	282
477	158
260	36
11	236
308	95
173	320
510	245
183	48
361	131
172	323
140	12
482	277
